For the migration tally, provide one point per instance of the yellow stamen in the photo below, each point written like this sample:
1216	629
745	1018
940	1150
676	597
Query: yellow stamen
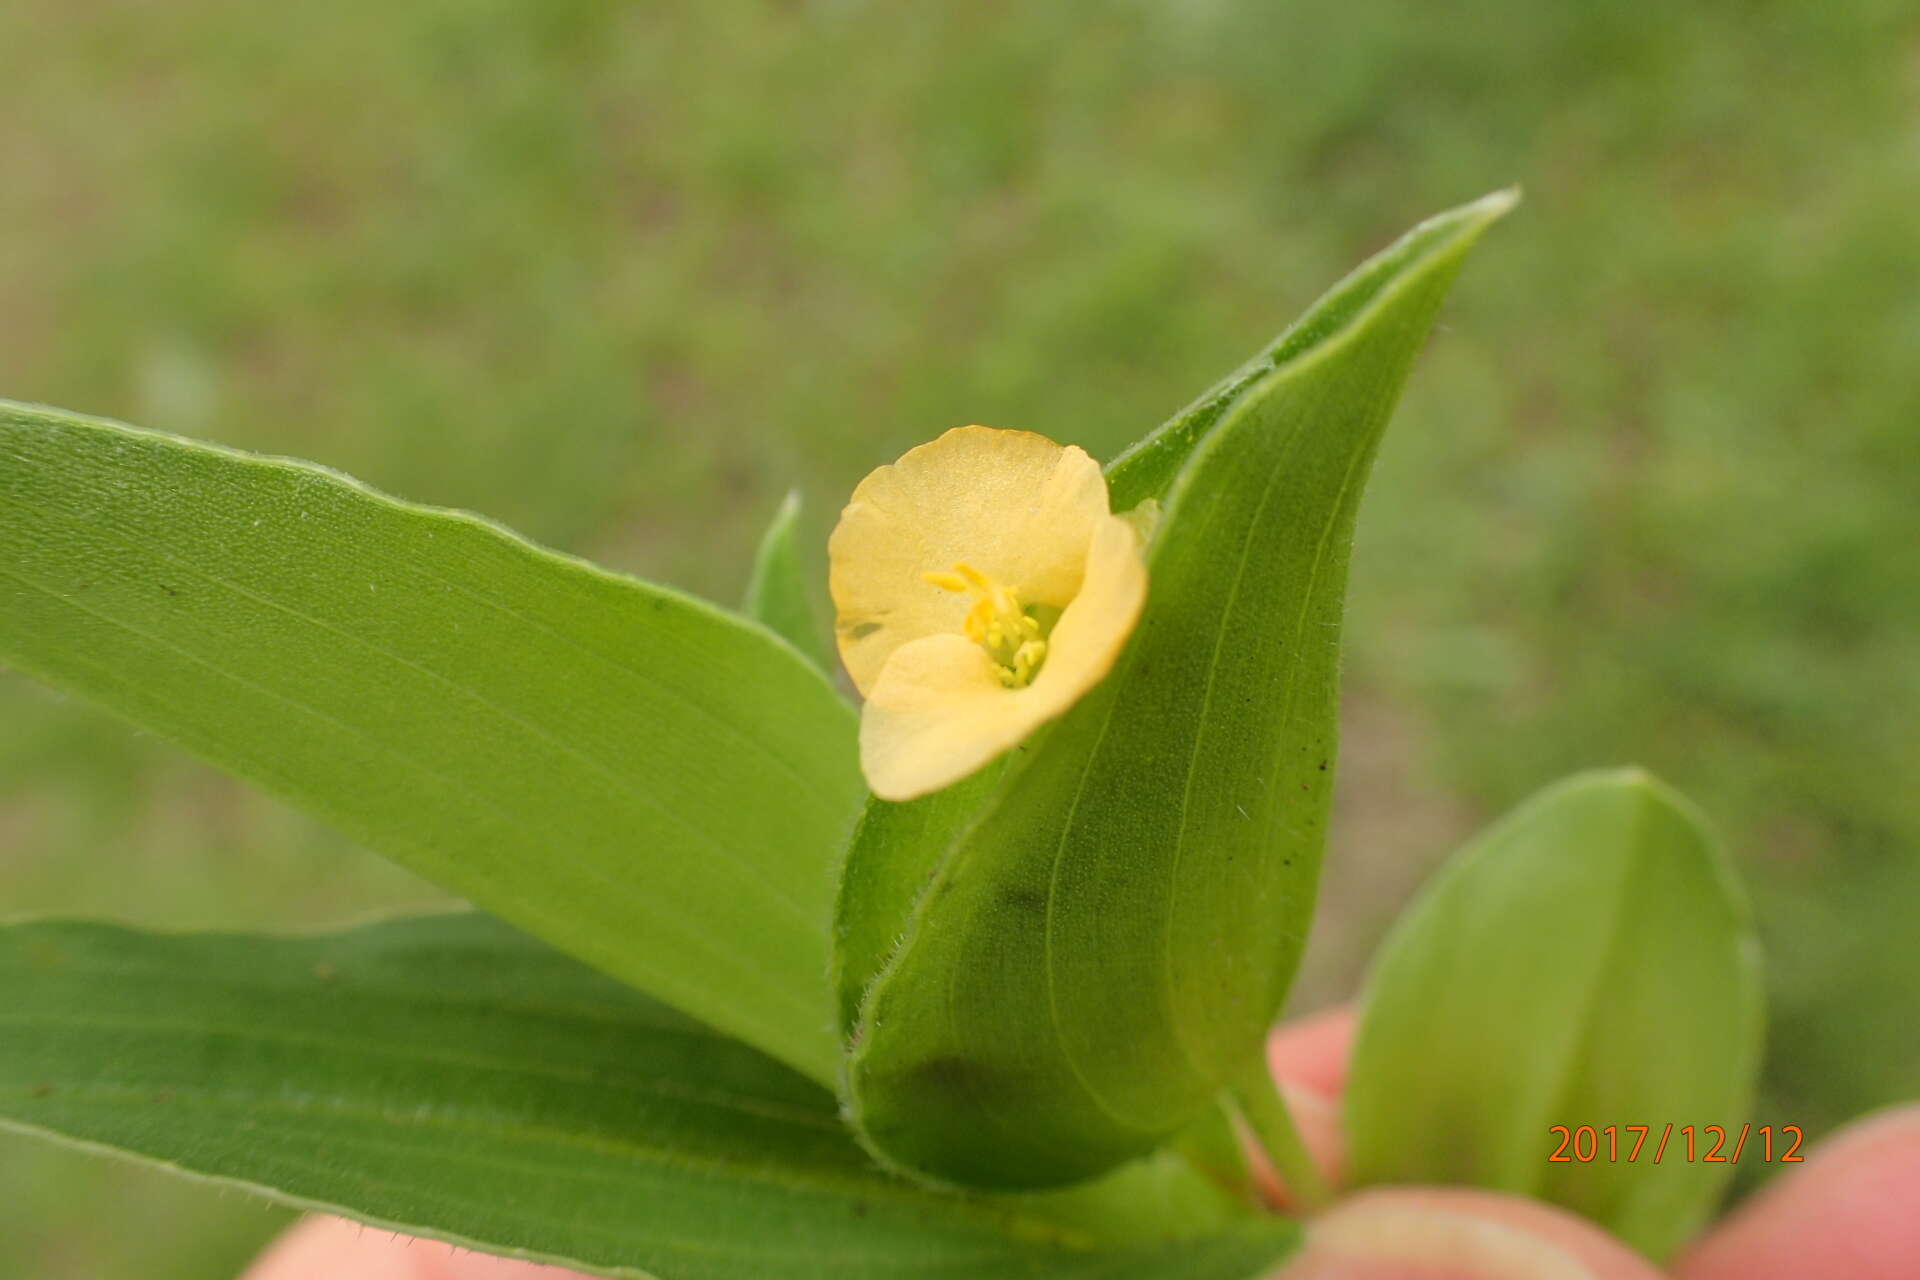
998	624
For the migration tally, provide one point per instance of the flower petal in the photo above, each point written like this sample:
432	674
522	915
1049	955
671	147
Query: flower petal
938	712
1094	628
1012	504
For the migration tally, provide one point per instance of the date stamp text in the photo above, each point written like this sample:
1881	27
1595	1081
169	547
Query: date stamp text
1693	1144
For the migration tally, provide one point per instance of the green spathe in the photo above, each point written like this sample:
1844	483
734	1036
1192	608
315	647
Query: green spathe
1097	949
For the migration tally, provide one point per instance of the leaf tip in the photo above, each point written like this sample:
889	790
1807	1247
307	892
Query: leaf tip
1476	216
1641	783
1496	204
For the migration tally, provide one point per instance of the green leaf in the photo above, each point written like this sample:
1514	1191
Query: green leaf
1587	961
777	594
447	1076
1097	951
645	781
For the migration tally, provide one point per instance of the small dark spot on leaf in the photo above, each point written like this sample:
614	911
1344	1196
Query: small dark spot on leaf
163	1095
859	1208
953	1074
169	590
1323	766
1024	899
41	1091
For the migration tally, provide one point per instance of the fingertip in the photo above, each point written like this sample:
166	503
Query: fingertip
324	1248
1852	1209
321	1248
1312	1051
1418	1233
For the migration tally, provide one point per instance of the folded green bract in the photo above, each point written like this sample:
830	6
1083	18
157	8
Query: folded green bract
1046	975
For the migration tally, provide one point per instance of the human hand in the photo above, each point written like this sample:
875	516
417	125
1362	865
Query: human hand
1851	1212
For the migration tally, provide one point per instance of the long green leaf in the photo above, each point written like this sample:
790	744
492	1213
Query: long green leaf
777	593
643	780
1098	950
448	1076
1589	961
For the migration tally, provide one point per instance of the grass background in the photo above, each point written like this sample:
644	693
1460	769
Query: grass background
620	274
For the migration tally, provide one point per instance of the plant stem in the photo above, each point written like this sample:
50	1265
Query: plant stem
1214	1148
1266	1115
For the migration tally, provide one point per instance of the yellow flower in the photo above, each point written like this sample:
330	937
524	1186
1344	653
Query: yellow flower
981	586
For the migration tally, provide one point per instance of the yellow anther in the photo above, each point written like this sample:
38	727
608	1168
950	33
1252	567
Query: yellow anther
997	623
974	578
1027	659
947	581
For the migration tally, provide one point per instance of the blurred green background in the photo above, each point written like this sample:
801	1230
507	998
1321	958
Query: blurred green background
620	274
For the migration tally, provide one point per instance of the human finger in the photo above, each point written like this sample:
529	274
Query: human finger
1853	1210
1431	1233
321	1248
